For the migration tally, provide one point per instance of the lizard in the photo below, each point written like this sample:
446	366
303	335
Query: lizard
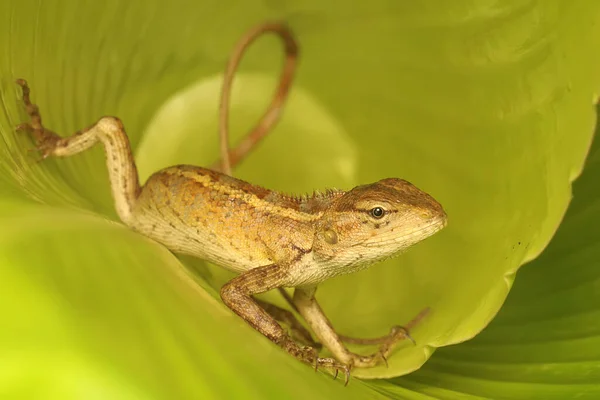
270	239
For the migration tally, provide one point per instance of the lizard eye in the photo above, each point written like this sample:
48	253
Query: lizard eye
377	212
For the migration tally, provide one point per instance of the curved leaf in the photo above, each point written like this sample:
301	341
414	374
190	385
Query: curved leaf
485	105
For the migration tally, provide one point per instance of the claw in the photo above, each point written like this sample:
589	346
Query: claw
384	359
23	127
336	366
39	158
405	333
24	89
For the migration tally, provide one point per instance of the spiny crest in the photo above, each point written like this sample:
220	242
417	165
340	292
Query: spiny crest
313	203
317	195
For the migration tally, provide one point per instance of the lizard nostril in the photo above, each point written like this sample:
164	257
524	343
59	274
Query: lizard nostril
433	213
426	214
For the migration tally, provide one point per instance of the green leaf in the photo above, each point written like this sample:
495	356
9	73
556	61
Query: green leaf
486	105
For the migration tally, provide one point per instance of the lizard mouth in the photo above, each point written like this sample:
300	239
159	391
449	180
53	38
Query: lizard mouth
444	221
440	221
411	237
433	227
437	224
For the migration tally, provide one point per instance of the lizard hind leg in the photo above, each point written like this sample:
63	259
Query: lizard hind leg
397	333
298	332
110	132
313	314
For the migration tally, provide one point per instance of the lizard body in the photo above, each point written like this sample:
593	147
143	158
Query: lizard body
272	240
240	226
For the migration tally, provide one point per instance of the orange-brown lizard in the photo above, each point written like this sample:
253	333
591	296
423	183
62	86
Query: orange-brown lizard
270	239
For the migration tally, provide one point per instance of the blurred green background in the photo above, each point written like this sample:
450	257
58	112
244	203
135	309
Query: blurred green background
487	105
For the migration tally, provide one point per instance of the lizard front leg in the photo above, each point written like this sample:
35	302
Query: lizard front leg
308	307
237	295
109	131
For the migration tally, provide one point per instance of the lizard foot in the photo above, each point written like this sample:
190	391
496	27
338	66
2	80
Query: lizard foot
46	141
386	343
310	355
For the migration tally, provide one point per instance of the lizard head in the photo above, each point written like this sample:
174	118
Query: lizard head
373	222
